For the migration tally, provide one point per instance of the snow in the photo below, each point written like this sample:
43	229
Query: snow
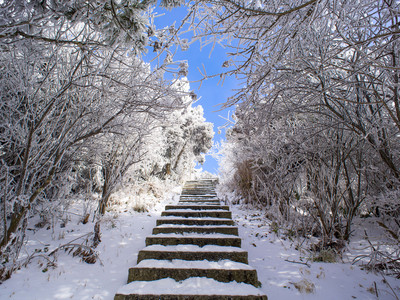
193	248
195	210
268	254
200	197
195	235
190	286
200	206
73	279
124	234
193	218
193	264
197	203
195	226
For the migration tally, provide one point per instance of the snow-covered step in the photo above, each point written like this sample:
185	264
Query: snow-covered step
194	221
192	288
223	270
199	229
199	240
196	202
198	199
193	252
198	213
210	186
195	188
194	264
205	201
207	187
211	180
208	193
194	234
198	189
199	196
199	184
197	207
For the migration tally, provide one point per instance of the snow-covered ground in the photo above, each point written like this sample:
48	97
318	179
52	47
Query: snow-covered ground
283	276
123	235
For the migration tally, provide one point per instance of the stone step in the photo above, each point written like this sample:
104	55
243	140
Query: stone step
223	271
195	288
212	195
204	198
197	207
194	221
205	194
212	201
199	240
202	186
199	186
193	252
199	202
212	180
198	213
199	194
197	189
198	229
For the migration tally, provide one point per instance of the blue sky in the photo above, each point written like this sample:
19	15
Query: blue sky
211	93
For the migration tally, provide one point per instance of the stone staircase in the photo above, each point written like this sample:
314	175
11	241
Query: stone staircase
193	253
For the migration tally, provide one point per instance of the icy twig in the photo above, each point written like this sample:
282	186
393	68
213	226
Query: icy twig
390	287
298	262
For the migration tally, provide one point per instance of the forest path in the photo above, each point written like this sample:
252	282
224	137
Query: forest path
194	253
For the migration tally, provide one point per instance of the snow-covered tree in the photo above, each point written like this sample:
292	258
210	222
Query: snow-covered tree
178	141
69	83
317	117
